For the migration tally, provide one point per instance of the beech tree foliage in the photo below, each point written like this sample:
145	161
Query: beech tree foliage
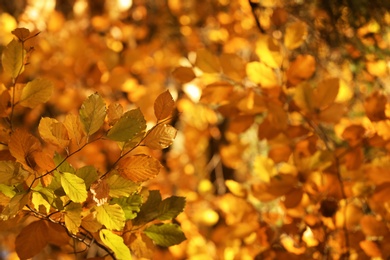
195	129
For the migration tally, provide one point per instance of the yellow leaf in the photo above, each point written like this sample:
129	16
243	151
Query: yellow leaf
295	35
141	245
160	137
262	74
269	52
183	74
264	168
216	93
207	61
302	68
36	92
377	68
164	105
236	188
139	168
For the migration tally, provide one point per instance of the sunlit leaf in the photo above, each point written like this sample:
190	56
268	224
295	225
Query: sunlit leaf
269	52
72	216
128	126
111	216
295	35
92	113
326	92
74	187
22	144
36	92
262	74
116	244
164	105
13	58
141	245
165	234
139	168
160	137
15	204
75	129
38	200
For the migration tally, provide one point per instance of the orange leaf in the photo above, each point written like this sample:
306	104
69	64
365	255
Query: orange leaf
326	92
370	248
207	61
114	112
375	106
216	93
139	168
21	33
373	227
100	191
164	105
302	68
22	145
31	240
295	35
183	74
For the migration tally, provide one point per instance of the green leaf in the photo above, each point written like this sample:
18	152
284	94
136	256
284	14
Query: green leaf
74	187
65	166
36	92
165	234
73	217
92	113
112	216
148	210
12	173
8	191
48	194
171	207
12	59
88	174
128	126
116	244
121	187
130	205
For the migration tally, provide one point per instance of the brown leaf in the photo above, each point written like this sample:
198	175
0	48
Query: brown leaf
370	248
207	61
164	105
375	106
326	92
100	192
139	168
373	227
31	239
21	33
183	74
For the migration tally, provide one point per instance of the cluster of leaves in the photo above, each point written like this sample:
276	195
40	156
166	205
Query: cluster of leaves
110	209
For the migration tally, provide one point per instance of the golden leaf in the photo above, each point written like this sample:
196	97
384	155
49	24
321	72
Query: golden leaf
139	168
164	105
183	74
326	92
269	52
262	74
207	61
295	35
22	145
160	137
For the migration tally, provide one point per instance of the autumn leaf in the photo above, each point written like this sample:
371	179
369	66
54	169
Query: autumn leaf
164	105
111	216
36	92
72	215
22	145
74	187
114	113
92	113
165	234
121	187
128	126
183	74
21	33
116	244
295	35
13	58
259	73
53	132
26	247
139	168
207	61
325	93
75	129
160	137
302	68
